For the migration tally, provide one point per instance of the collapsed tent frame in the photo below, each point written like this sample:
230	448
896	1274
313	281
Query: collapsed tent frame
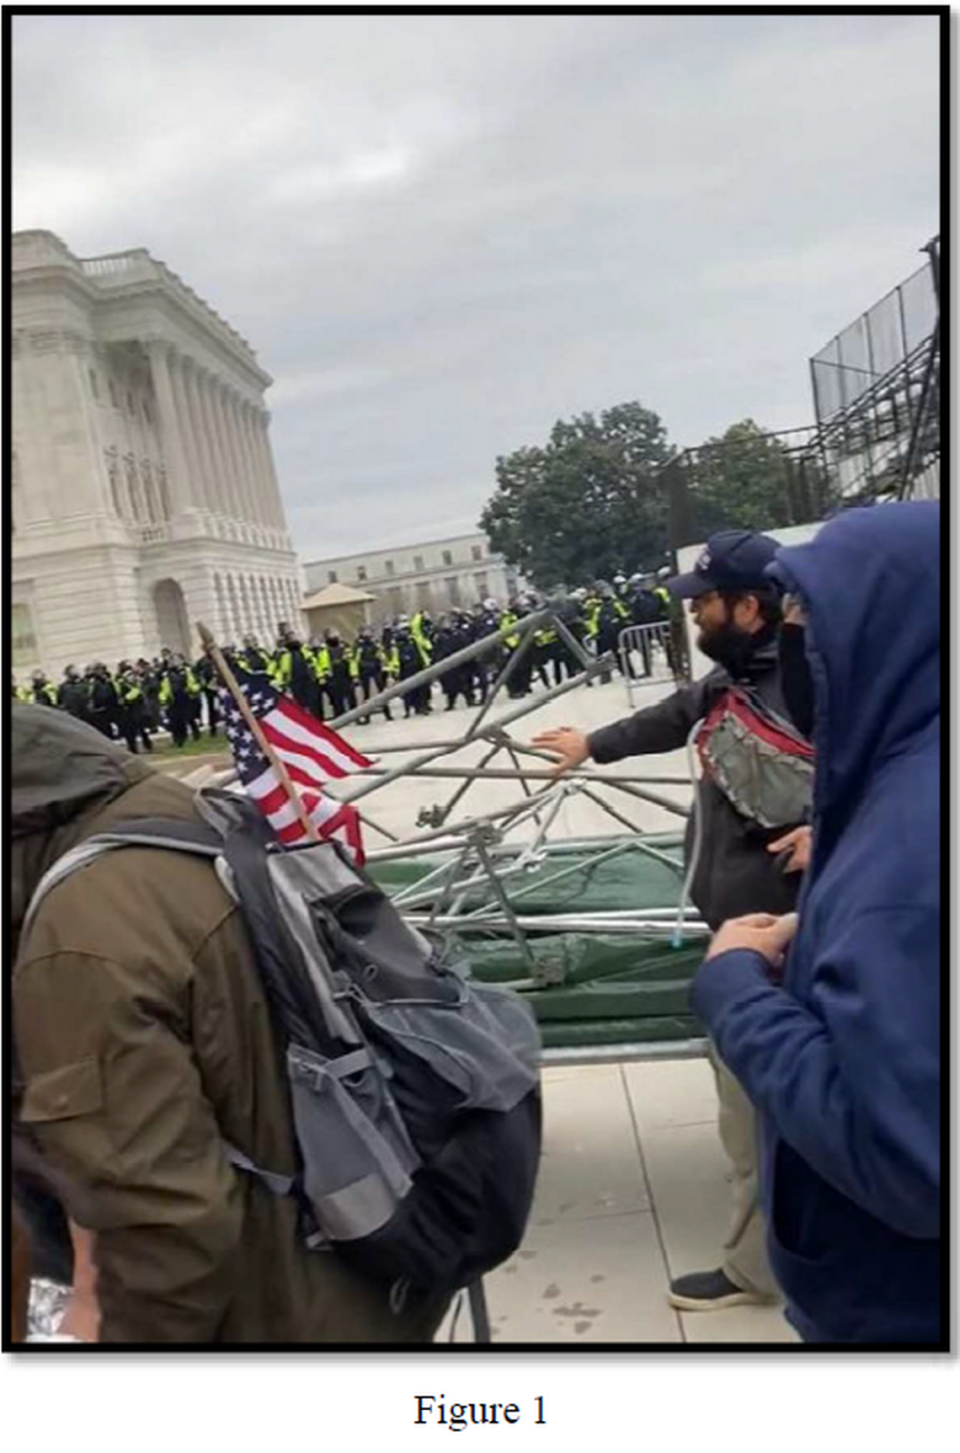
476	857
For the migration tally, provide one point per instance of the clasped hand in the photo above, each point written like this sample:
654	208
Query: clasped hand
763	933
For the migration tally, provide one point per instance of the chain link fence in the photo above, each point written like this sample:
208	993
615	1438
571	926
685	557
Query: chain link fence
880	341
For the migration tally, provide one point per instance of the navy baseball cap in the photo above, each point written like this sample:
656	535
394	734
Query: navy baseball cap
730	560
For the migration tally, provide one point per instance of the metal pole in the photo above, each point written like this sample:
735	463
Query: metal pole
394	773
521	774
632	845
497	726
412	899
579	651
448	844
544	828
921	410
512	810
416	847
230	681
556	877
480	773
651	852
445	891
932	249
418	889
602	663
603	1054
378	751
375	827
478	1312
504	902
505	672
471	778
906	350
659	918
612	811
438	669
517	926
647	796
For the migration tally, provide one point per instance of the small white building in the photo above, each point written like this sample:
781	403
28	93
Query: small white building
143	490
437	575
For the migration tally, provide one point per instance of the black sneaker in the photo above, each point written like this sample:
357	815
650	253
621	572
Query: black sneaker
708	1291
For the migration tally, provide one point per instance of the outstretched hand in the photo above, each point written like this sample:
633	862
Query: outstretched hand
569	745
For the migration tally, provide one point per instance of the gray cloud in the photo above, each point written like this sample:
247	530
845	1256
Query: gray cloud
443	233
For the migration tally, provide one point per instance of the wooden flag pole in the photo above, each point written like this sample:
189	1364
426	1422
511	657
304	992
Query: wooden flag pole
230	682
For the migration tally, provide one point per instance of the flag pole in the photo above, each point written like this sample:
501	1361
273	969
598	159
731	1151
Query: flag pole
230	681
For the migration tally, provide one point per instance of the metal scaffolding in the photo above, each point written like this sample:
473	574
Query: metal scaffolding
479	884
473	876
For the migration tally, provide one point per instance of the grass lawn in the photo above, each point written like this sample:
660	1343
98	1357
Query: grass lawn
164	749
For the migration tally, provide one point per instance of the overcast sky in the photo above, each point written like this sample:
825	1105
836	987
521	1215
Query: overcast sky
441	234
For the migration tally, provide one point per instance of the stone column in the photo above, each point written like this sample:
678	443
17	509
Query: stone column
243	467
254	473
253	469
200	436
263	471
256	436
195	489
177	470
237	493
218	467
276	500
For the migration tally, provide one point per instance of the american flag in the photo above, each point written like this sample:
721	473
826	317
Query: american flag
311	753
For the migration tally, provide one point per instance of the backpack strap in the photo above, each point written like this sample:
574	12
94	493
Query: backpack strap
278	1184
147	832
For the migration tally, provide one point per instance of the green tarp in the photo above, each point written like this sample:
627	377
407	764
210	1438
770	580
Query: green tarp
586	988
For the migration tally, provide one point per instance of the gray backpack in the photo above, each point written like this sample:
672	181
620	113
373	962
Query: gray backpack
414	1090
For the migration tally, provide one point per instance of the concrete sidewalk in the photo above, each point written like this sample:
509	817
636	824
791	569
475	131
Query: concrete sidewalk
632	1192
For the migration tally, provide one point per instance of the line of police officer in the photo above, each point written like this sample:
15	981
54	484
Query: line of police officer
134	701
332	676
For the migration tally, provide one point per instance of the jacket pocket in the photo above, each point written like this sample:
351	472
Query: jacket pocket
797	1218
63	1094
66	1110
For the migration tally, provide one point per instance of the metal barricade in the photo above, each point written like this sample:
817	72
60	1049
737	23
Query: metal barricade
647	656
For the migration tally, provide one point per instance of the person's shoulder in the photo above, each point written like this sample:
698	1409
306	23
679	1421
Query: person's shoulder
149	906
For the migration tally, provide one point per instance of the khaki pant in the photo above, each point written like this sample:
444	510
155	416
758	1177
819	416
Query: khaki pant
746	1254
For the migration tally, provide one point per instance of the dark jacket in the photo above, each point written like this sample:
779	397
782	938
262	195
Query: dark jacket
735	873
843	1059
144	1041
103	695
74	697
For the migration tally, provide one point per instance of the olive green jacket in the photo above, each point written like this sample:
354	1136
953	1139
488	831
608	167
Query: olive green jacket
144	1042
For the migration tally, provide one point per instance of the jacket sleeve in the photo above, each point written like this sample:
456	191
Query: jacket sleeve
115	1100
660	728
856	1093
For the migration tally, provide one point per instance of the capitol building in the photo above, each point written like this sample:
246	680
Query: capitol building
143	491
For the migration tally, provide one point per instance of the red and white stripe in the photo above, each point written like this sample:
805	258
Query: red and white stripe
331	819
303	743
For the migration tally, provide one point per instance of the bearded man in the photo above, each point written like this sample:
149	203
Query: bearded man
753	804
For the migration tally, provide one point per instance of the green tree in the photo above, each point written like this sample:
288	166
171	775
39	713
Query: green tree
743	480
587	502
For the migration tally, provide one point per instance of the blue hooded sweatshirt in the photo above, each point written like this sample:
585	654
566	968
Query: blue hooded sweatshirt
842	1059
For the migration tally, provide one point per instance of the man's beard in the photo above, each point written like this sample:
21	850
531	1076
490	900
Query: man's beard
728	644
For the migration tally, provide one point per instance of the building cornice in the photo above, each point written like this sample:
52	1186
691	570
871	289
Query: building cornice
122	278
402	549
135	273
